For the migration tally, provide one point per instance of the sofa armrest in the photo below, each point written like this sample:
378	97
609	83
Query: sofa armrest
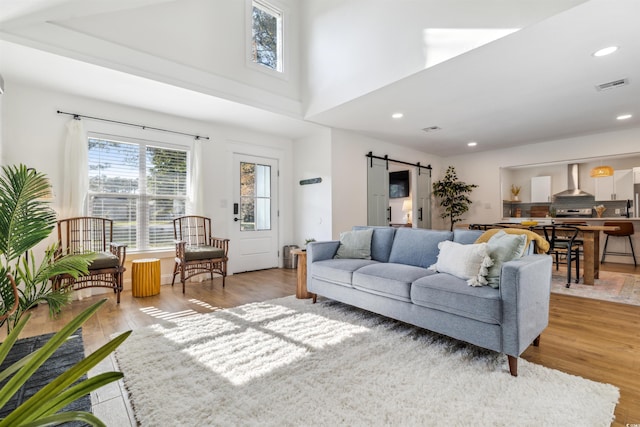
525	286
319	251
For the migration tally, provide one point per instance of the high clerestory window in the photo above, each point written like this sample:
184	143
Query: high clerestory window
141	186
266	35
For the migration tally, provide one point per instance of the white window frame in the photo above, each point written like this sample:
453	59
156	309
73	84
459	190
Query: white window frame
283	47
142	237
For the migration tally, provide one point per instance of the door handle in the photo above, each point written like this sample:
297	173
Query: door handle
389	210
236	219
419	214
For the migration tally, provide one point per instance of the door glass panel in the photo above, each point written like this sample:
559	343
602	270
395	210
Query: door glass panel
255	197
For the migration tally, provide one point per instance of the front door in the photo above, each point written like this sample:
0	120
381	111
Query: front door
255	214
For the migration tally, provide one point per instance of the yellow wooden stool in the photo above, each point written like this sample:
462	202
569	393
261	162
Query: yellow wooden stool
145	277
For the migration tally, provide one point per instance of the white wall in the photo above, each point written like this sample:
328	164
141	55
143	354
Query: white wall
34	135
1	124
483	168
353	47
200	45
312	203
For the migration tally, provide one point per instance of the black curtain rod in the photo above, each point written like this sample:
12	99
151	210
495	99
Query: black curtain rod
78	116
387	159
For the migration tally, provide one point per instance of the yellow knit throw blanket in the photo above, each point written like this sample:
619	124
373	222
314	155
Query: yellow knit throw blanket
542	246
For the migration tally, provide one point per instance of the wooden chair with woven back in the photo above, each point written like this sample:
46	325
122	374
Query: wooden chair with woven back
85	234
197	251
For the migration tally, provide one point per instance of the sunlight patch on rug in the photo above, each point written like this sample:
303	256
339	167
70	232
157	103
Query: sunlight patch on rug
266	338
290	362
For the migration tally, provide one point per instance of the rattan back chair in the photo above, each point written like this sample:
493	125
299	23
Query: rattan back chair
81	235
197	251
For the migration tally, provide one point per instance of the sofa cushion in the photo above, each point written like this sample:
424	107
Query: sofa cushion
503	247
104	260
355	244
381	241
468	262
194	253
448	293
466	237
338	271
418	247
389	279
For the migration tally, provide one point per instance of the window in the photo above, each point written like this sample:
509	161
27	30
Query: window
140	186
255	197
266	35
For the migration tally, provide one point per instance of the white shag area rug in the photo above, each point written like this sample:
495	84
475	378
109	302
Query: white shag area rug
288	362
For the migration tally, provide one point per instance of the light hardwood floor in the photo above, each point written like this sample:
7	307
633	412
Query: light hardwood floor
593	339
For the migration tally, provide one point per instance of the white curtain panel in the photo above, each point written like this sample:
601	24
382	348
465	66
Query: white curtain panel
194	205
75	183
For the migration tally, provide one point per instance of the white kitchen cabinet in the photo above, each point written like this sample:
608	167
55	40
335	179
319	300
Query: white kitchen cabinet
541	189
636	175
616	187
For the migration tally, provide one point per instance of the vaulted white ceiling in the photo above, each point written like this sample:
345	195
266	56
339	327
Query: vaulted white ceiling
535	84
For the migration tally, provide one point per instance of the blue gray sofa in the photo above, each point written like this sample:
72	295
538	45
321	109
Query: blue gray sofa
396	282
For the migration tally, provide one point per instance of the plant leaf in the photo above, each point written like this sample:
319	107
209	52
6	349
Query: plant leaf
44	400
7	344
24	220
41	355
65	417
75	392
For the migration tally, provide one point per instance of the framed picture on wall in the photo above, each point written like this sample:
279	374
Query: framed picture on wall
398	184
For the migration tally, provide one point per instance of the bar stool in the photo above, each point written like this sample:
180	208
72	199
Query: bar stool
626	230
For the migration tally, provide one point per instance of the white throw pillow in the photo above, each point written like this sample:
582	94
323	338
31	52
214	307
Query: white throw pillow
468	262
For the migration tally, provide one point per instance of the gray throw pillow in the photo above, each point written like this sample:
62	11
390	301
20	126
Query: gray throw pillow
355	244
503	247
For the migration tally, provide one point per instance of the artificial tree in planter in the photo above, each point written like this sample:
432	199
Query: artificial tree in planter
25	221
453	195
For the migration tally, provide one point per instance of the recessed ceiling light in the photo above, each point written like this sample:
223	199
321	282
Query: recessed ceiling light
472	144
397	115
606	51
624	116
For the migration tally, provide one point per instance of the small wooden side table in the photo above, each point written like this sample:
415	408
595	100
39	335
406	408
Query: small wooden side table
301	289
145	277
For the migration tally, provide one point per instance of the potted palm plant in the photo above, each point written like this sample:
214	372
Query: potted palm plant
25	221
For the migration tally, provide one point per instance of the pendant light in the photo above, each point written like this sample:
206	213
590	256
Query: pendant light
601	172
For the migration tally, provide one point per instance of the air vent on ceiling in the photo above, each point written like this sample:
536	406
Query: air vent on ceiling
432	129
613	84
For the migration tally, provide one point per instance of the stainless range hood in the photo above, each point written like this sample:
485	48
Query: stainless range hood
573	189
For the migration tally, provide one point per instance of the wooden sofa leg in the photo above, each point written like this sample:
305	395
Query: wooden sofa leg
536	342
315	297
513	365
